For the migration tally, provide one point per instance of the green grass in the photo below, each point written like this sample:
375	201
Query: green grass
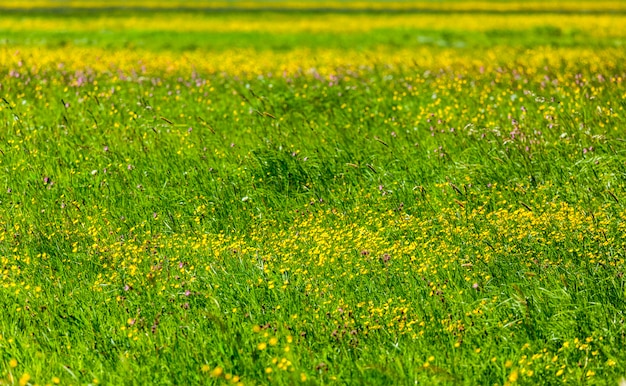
397	224
186	41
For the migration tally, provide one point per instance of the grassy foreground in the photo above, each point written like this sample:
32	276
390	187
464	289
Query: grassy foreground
312	198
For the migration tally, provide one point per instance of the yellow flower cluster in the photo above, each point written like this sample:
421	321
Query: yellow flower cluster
383	245
301	61
599	26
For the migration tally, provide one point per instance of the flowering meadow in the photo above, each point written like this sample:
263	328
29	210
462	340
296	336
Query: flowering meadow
313	196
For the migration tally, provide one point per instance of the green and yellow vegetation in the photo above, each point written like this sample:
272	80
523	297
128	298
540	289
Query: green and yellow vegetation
300	197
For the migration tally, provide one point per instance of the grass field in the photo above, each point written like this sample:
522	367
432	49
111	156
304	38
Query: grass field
285	196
